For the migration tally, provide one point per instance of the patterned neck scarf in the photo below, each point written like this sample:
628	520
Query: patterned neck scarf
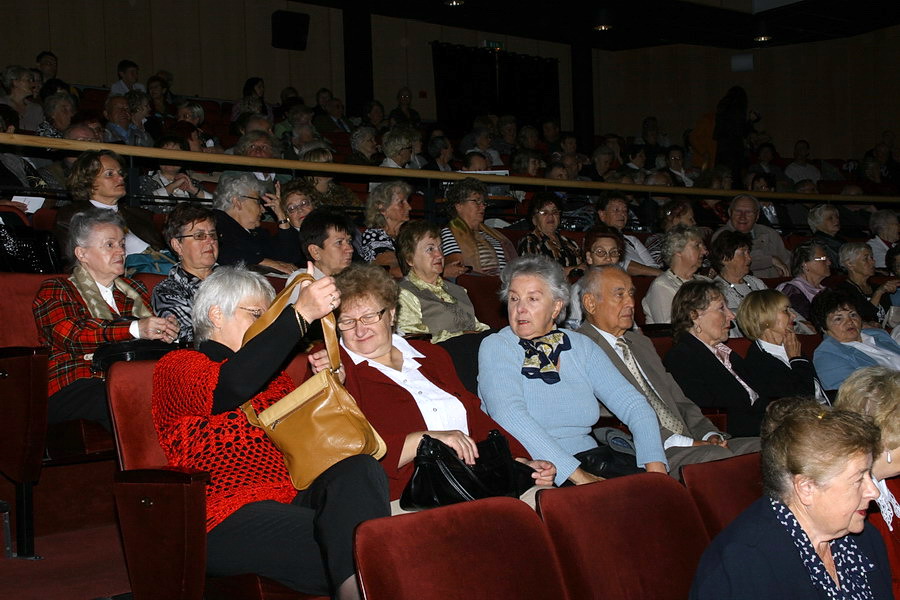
850	563
542	354
97	306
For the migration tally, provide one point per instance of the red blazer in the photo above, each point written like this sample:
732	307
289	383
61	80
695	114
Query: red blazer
67	327
891	538
394	413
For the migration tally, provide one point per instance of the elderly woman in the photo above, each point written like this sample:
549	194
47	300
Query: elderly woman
705	368
387	209
404	114
467	243
872	302
327	192
58	111
603	246
365	148
374	117
406	388
170	180
95	306
139	107
253	99
846	346
441	152
238	206
256	521
192	236
430	305
545	239
807	537
526	163
602	160
543	384
326	237
297	201
765	317
875	392
730	257
683	250
672	213
885	234
825	223
810	265
97	179
18	83
397	147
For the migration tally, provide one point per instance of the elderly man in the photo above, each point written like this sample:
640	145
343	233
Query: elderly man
56	172
263	145
769	256
688	437
119	127
334	119
801	168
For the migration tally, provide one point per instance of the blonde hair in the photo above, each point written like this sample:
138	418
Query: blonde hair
758	311
875	392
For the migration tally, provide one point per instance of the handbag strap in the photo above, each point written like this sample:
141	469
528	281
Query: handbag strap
280	303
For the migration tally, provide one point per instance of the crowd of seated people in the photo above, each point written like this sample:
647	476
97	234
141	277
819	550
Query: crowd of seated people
542	384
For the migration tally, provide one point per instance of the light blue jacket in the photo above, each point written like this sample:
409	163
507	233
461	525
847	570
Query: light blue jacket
835	361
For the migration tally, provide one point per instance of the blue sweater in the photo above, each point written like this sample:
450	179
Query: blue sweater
554	422
835	361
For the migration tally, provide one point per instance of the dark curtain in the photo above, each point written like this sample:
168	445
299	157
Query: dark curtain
476	81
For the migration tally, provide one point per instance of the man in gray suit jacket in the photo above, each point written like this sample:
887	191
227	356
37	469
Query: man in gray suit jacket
688	437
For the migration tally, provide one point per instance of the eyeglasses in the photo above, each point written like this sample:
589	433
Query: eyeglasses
601	253
369	319
548	213
478	201
110	173
109	246
257	198
295	207
256	312
820	258
407	148
200	236
260	147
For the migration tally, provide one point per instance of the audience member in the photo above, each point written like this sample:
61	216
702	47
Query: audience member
326	237
55	173
769	256
676	166
765	154
17	84
170	180
374	117
129	75
441	152
602	160
404	113
48	64
387	209
825	224
885	234
612	210
139	109
730	257
674	212
253	99
545	239
397	148
326	191
298	199
801	168
365	148
603	246
683	250
119	127
334	119
58	111
810	265
871	301
505	142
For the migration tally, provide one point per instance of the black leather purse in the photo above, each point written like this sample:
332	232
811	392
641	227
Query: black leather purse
129	350
441	478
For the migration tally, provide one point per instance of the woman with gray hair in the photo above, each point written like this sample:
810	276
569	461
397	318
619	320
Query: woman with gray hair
871	301
95	306
885	233
397	147
825	223
18	82
327	192
58	111
683	250
542	384
256	521
365	148
387	210
810	265
238	205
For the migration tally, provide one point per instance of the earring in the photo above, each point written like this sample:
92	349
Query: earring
888	458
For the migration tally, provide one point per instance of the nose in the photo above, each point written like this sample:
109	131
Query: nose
871	491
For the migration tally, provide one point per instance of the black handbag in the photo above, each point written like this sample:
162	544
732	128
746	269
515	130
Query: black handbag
26	250
129	350
441	478
614	455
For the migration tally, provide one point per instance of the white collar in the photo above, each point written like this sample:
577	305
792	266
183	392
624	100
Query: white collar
398	342
114	207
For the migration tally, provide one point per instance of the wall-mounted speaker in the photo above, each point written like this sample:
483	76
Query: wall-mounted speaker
290	30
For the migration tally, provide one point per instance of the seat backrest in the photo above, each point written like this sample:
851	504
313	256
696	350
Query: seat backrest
129	387
483	292
630	538
149	279
16	313
491	548
722	489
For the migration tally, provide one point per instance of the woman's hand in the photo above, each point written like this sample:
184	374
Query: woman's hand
278	265
317	298
656	467
782	268
158	328
579	477
463	445
453	266
889	286
791	343
544	471
318	361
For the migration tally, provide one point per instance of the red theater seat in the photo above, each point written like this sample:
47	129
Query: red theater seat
483	291
722	489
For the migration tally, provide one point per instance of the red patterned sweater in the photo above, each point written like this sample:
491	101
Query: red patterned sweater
244	466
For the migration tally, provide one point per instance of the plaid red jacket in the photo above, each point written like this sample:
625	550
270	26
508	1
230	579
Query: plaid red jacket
66	326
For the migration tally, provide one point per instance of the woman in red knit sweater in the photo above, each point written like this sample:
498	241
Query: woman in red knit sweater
406	388
256	521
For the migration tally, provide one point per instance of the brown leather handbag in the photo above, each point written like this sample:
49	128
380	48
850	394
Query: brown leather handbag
318	424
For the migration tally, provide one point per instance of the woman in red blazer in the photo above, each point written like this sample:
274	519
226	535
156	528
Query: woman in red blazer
406	389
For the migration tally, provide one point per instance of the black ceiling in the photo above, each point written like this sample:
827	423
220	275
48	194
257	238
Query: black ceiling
643	23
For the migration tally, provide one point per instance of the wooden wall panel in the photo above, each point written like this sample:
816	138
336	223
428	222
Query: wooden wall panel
126	31
223	57
175	31
77	39
19	18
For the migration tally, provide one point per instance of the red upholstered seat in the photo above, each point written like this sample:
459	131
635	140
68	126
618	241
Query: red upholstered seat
492	548
483	290
162	512
149	279
722	489
739	345
630	538
641	285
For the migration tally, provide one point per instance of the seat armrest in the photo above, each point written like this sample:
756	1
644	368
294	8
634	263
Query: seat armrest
162	518
23	412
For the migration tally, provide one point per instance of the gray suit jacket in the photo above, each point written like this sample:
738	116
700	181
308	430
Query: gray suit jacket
664	384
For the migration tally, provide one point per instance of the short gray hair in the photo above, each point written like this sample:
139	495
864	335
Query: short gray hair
394	141
851	251
677	238
380	198
52	102
226	287
542	267
357	136
233	185
880	219
738	197
12	73
195	108
804	253
817	215
82	225
243	144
